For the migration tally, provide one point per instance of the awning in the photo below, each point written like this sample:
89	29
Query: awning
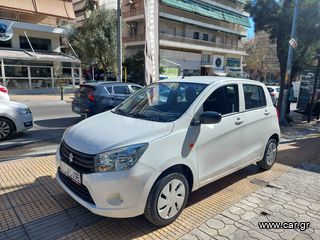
25	5
58	8
37	56
209	11
219	73
167	63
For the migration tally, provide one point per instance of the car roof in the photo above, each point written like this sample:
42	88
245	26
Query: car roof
208	80
95	84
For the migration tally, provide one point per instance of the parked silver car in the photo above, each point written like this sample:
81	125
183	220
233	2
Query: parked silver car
14	117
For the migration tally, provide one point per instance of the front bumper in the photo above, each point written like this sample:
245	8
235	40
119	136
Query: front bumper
116	194
24	122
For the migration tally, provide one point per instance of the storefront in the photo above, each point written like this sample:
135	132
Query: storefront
28	70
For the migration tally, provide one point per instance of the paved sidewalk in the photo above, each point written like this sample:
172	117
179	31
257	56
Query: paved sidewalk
42	100
283	200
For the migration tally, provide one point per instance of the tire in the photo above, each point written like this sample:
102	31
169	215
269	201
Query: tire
6	128
270	155
162	208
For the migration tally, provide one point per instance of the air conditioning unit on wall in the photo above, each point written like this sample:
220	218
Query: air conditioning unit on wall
218	62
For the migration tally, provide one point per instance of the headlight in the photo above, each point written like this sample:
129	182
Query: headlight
119	159
24	110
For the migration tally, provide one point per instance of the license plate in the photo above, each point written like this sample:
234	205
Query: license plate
77	109
70	172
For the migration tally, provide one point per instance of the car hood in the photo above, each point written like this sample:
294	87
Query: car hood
11	104
108	131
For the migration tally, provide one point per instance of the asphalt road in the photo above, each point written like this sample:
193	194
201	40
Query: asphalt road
50	121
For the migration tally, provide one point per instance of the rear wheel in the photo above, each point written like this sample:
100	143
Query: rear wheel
167	199
6	128
270	155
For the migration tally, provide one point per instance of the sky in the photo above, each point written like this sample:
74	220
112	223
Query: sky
250	33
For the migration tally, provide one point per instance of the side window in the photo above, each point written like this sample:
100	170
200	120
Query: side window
254	96
121	90
223	100
109	89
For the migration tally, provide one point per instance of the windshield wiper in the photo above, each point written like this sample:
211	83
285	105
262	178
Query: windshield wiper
120	111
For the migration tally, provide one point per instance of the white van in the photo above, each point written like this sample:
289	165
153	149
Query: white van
168	139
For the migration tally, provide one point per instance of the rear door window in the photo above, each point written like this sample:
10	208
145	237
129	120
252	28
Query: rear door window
254	96
121	90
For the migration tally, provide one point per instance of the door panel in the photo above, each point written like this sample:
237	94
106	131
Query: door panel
220	145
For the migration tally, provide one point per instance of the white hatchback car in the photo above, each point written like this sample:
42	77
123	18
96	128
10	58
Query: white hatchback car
14	117
168	139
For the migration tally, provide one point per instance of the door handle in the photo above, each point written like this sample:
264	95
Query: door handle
266	112
114	98
239	121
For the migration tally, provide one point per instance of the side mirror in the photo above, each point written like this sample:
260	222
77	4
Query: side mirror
210	117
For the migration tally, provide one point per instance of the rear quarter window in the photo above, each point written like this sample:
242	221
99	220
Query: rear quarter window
121	90
254	96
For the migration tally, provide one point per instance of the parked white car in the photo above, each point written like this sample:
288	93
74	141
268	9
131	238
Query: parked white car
14	117
274	92
4	93
172	137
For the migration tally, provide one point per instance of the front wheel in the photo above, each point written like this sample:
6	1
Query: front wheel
6	128
167	199
270	155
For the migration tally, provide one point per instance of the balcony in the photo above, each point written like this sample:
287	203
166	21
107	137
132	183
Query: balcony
197	42
136	38
134	14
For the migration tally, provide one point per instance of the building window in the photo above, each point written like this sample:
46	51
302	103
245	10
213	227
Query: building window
41	44
205	37
196	35
133	29
5	44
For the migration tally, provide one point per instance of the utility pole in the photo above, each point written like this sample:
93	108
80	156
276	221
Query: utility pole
315	86
285	96
119	42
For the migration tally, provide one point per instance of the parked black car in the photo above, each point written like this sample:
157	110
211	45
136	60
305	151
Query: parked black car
94	98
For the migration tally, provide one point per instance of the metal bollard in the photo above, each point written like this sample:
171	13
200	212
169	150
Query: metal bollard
61	93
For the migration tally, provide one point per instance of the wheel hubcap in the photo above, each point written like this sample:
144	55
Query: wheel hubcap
171	199
271	153
4	129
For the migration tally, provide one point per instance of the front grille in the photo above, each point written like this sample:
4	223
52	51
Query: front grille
83	163
80	190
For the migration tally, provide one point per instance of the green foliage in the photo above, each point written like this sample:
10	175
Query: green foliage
135	67
96	41
275	17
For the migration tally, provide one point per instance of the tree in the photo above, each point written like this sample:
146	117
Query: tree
135	67
95	41
275	17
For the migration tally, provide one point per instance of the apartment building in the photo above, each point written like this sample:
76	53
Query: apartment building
200	37
32	47
82	8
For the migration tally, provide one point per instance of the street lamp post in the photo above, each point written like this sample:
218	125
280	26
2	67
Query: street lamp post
315	86
119	42
285	95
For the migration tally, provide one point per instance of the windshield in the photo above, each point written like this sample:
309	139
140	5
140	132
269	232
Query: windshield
161	102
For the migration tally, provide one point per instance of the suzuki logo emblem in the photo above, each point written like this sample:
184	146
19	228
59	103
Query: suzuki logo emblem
70	157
